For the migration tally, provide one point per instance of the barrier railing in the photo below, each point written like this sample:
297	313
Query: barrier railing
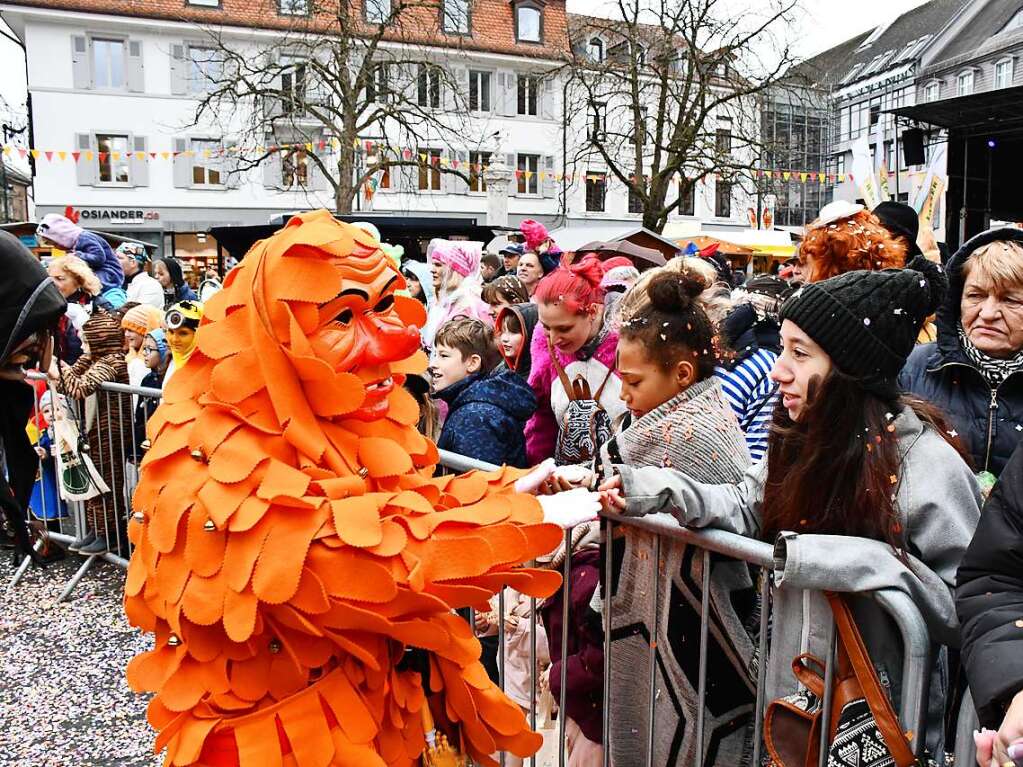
116	435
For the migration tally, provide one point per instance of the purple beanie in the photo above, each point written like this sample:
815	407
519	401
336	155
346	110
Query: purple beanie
59	230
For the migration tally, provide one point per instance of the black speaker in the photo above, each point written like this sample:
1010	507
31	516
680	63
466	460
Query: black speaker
913	146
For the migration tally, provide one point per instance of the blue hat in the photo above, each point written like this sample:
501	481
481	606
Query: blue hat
161	342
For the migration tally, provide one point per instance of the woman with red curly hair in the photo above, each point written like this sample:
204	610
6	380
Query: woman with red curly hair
573	342
847	237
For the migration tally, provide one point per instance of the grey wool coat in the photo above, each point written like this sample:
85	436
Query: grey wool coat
939	502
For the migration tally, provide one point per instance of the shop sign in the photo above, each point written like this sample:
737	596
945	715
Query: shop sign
89	216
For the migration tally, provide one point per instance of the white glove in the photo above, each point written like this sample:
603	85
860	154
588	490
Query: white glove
531	482
570	508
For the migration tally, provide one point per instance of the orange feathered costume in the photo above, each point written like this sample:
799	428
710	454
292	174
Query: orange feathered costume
291	541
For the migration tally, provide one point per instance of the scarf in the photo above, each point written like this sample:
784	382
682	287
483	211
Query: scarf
994	370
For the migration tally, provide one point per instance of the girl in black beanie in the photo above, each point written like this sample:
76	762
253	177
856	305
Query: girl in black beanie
862	489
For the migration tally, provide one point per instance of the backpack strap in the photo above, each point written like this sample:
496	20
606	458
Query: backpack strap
600	391
880	706
562	375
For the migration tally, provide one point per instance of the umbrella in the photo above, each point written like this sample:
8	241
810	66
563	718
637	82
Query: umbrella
636	254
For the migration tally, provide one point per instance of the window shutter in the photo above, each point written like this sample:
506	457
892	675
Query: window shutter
85	169
273	177
179	70
548	99
231	167
548	187
408	178
507	94
458	184
80	73
140	161
182	164
511	160
135	77
462	99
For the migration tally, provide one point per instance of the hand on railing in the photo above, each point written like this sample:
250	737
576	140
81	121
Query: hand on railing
611	498
1005	747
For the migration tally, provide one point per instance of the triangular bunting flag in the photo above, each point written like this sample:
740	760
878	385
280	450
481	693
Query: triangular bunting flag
76	155
35	154
88	156
22	152
62	155
152	155
103	156
49	156
165	155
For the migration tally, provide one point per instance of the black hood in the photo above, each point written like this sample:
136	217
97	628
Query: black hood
744	332
528	318
29	299
948	313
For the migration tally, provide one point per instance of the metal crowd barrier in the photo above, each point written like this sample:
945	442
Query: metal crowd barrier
917	660
112	404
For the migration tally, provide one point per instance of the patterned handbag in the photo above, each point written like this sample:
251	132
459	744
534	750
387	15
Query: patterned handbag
864	730
586	425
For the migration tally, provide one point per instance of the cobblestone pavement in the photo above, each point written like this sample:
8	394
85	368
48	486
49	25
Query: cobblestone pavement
63	697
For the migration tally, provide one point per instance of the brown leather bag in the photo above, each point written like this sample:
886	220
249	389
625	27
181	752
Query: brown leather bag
793	735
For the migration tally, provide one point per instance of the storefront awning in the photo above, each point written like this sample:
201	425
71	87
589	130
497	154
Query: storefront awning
993	111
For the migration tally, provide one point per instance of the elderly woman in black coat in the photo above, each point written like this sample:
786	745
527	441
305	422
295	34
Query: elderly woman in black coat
974	372
989	600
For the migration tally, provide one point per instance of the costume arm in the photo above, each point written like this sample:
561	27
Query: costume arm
84	379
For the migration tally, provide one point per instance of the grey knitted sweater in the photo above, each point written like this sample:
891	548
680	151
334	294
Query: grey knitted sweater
695	432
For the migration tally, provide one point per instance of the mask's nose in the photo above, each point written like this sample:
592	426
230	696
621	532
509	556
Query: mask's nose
386	342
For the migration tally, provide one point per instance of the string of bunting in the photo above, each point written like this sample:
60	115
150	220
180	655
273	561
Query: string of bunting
368	148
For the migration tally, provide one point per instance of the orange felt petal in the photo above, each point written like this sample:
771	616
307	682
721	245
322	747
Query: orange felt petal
357	520
352	577
339	395
237	378
282	481
239	614
221	339
258	744
280	562
382	457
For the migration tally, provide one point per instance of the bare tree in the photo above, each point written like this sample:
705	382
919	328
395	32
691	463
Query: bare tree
671	91
346	95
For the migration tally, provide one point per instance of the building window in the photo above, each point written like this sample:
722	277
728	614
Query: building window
529	173
205	68
723	199
931	91
377	11
456	16
294	168
107	63
206	162
114	165
293	88
429	86
528	23
478	162
723	141
597	121
964	83
596	192
1003	73
528	94
640	57
293	7
429	170
687	198
875	113
378	88
595	49
479	91
635	201
205	3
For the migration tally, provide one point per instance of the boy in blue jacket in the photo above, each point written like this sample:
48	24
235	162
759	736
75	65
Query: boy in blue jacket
487	408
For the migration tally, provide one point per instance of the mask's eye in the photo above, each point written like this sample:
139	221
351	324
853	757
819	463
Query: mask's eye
384	304
344	316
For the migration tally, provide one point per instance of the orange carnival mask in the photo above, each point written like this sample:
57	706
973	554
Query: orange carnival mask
290	538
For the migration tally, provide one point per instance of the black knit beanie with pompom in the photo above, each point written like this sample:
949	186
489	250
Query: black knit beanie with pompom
868	322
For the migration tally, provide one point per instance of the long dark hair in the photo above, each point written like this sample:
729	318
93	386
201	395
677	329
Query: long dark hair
837	470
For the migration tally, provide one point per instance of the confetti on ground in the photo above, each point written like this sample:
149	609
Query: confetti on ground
64	700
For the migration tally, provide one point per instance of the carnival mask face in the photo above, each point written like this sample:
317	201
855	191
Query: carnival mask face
365	329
